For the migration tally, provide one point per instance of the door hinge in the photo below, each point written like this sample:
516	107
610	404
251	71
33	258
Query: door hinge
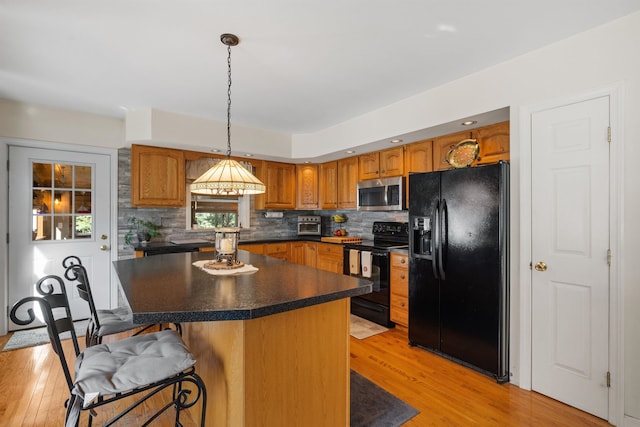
608	379
609	257
609	134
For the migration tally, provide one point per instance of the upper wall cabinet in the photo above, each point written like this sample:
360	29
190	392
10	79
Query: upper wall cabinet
418	157
157	177
329	185
494	143
442	145
307	187
280	182
347	183
381	164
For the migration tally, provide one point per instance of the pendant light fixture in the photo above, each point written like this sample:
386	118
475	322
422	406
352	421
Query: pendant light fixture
228	177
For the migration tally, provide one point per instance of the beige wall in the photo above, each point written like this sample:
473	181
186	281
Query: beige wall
49	124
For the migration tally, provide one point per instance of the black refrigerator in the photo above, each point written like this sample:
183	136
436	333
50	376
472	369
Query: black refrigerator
459	265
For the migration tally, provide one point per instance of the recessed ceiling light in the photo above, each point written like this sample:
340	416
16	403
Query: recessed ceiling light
395	141
469	123
248	155
307	161
350	151
215	150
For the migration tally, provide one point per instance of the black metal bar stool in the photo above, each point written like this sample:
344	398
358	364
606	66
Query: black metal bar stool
103	322
142	365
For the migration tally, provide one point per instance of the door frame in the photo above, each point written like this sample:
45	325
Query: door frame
616	200
4	195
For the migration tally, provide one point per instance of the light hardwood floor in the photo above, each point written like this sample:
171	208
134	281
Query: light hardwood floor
33	391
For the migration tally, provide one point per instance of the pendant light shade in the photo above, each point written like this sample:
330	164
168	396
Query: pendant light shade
228	177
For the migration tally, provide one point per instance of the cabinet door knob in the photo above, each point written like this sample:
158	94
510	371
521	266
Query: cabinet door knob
403	260
402	276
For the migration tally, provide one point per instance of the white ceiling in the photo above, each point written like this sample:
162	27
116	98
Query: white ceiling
301	65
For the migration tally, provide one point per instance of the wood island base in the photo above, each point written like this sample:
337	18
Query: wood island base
287	369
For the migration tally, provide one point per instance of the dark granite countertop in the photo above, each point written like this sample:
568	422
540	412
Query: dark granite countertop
168	288
156	248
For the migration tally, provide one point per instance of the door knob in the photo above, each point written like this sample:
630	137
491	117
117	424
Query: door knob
541	266
104	248
104	237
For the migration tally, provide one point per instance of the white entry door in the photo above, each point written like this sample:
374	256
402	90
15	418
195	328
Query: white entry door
59	205
570	242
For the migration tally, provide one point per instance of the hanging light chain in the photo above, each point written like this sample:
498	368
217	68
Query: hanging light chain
229	102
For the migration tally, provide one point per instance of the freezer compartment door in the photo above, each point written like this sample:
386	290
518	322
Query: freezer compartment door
424	306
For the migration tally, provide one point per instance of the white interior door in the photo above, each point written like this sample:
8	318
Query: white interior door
570	242
59	205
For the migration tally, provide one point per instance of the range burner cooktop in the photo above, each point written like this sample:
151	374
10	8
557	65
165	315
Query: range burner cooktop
386	235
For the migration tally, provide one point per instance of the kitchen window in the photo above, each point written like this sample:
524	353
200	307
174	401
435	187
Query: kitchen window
207	212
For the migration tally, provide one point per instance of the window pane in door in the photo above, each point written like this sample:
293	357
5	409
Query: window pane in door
42	174
83	227
62	202
41	201
82	202
41	229
63	227
62	175
82	177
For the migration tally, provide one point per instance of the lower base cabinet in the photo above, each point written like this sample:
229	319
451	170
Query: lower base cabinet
329	257
399	289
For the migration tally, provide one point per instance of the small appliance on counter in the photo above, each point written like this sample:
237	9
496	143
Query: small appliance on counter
309	225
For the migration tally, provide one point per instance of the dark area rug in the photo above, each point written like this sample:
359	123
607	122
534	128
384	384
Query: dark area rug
372	406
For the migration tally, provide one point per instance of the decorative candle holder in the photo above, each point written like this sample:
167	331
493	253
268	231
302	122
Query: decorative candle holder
227	245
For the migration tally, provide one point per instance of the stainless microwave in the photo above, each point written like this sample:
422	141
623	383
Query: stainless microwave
384	194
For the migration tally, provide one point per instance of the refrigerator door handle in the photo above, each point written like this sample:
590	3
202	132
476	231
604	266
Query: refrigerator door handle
436	239
442	230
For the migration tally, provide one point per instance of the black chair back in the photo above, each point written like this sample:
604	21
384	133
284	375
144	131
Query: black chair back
77	272
54	306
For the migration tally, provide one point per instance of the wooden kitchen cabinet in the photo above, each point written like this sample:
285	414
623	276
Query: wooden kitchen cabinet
494	143
399	282
303	253
328	185
157	177
418	157
280	182
368	166
277	250
381	164
296	252
442	145
307	187
347	183
329	257
311	254
256	248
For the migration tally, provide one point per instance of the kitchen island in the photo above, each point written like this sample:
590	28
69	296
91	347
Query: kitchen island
272	346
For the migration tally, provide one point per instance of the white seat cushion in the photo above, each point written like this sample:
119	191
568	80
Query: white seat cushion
115	321
133	362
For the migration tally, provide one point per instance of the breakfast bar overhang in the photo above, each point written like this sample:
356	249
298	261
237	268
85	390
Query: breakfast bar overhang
272	347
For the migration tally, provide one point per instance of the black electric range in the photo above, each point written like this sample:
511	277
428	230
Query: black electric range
371	259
